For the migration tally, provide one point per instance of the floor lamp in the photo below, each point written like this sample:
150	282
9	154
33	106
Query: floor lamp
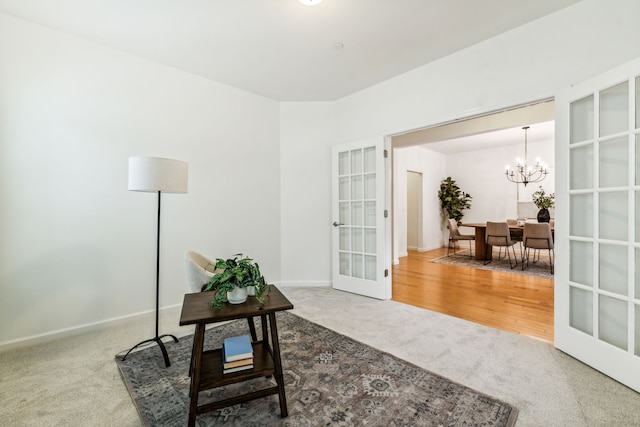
157	175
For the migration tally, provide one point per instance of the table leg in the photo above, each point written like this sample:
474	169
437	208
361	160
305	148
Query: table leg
265	330
252	329
193	355
278	363
482	248
196	358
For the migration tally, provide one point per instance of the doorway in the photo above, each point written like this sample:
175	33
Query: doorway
434	229
414	211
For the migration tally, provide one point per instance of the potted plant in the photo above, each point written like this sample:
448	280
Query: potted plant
543	202
236	275
453	200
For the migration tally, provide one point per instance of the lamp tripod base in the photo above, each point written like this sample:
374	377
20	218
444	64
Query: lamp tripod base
158	340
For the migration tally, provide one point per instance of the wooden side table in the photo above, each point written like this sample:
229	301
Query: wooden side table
206	366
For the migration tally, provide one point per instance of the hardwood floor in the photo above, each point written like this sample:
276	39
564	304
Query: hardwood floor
511	302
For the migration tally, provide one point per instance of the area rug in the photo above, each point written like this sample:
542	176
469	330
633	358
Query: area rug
330	380
539	269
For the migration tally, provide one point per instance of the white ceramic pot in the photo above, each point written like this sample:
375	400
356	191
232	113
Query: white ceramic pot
237	296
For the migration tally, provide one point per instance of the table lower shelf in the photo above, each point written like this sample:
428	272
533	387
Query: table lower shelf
211	375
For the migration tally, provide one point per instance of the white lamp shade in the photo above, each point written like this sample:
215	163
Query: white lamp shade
155	174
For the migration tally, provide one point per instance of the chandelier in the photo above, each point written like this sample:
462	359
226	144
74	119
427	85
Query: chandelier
523	174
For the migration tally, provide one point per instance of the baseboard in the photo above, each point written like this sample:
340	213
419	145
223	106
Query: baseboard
75	330
308	284
429	249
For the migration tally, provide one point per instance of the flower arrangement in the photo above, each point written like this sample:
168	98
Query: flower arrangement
542	200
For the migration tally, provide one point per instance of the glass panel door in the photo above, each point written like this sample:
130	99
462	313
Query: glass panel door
598	274
359	245
599	261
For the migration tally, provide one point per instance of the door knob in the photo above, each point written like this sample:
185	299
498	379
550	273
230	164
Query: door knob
337	224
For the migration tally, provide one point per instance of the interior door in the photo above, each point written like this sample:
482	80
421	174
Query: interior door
360	258
597	286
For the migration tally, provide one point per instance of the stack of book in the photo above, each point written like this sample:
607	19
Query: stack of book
237	354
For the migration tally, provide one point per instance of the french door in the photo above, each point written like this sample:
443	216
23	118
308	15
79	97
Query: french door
597	286
360	258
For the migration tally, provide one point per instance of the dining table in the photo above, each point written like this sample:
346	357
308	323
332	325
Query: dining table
482	249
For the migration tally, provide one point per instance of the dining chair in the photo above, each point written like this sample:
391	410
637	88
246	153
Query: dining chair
498	234
455	235
537	237
515	234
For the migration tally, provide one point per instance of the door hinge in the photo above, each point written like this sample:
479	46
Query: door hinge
386	272
386	213
386	153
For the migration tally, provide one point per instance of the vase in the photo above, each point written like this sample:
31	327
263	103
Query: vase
543	215
237	296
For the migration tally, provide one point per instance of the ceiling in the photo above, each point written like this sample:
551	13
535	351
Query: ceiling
539	132
282	49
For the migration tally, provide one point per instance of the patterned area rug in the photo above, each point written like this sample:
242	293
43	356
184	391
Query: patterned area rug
461	258
331	380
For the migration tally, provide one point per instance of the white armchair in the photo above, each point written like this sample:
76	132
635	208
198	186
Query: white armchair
199	270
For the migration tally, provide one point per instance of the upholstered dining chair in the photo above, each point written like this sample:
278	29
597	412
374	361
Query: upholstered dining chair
515	234
455	235
498	234
537	237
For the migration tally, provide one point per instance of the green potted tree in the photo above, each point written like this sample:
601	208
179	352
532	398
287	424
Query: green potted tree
236	275
543	202
453	200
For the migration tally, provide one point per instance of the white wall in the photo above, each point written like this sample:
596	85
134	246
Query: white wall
481	174
531	62
76	247
305	140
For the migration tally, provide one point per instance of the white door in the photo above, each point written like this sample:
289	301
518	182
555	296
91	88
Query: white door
360	260
414	211
597	286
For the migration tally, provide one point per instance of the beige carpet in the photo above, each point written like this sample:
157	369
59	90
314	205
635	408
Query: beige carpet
74	381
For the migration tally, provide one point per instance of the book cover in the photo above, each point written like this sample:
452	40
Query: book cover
236	369
236	363
236	348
